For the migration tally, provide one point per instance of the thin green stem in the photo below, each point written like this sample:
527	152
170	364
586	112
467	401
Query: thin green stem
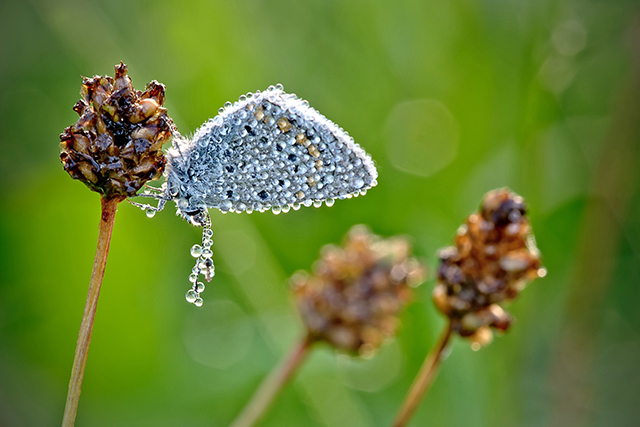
107	219
423	381
273	384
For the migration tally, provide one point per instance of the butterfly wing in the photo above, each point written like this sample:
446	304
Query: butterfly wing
271	150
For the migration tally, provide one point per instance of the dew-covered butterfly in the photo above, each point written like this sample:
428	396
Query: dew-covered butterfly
268	150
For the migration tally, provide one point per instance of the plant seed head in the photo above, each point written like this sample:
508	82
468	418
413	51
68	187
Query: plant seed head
116	144
493	259
354	296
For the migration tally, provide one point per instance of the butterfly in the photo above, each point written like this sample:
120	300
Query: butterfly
268	150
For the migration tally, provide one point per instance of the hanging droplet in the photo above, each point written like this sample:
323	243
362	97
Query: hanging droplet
150	212
329	202
196	251
276	210
199	287
198	302
193	277
207	233
191	296
207	253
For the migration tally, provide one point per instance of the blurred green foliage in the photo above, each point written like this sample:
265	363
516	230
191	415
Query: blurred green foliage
538	95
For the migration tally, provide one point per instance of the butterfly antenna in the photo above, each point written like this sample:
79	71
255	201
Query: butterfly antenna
204	263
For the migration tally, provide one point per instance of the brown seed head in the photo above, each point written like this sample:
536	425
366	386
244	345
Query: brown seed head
493	259
355	294
116	144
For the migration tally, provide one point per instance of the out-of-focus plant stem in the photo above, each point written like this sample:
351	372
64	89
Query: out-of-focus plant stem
107	219
423	381
273	384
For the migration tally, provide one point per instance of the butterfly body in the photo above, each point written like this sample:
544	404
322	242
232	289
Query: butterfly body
267	150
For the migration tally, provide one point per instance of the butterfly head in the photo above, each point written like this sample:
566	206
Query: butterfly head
180	186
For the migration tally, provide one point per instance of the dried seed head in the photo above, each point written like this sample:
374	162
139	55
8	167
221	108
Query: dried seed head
355	294
493	259
116	144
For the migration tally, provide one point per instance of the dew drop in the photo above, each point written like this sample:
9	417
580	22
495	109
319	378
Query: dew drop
317	203
286	208
196	251
200	287
279	86
193	277
207	232
198	302
191	296
329	202
150	213
225	206
276	210
296	206
207	253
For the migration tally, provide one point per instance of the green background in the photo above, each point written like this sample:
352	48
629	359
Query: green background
451	98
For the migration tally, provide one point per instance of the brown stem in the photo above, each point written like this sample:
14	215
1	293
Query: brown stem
273	384
86	327
423	381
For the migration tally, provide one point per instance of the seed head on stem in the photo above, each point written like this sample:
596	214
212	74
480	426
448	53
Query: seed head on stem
114	148
352	301
493	259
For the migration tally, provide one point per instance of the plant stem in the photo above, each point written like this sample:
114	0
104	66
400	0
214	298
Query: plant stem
273	384
423	381
86	327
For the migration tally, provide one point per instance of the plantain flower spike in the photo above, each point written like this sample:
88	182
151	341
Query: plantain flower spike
494	257
356	292
116	144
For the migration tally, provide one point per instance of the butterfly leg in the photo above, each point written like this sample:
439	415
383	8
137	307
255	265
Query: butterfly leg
150	209
156	190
